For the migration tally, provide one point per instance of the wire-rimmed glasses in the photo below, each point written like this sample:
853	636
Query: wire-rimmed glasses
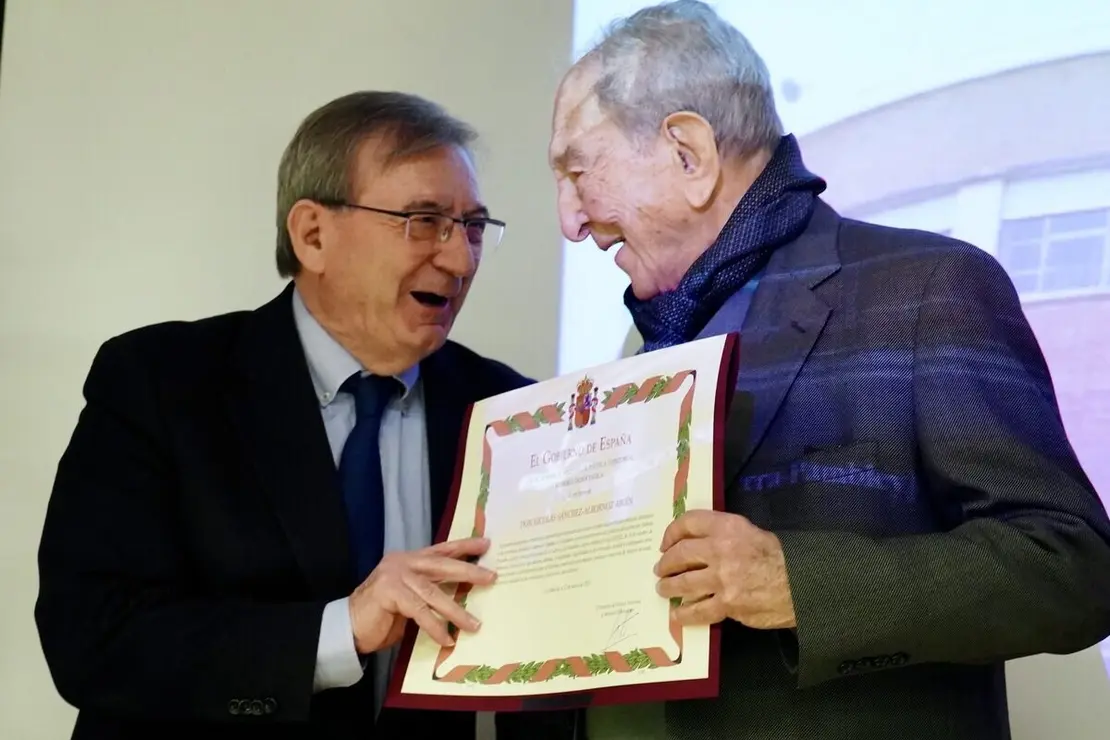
425	226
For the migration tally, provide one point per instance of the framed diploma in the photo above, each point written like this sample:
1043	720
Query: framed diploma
574	481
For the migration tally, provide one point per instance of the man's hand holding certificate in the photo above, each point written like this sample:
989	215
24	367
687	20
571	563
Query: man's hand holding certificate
405	586
723	566
604	587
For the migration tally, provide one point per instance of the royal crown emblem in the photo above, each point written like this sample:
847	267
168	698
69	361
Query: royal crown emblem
583	404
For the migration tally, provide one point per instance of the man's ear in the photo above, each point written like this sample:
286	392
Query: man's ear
306	224
694	148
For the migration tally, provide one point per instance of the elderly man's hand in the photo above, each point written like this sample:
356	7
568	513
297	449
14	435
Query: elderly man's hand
722	566
409	585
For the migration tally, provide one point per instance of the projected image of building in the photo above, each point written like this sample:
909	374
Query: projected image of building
1017	164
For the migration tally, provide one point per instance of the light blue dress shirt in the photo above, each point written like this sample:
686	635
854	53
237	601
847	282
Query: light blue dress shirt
404	451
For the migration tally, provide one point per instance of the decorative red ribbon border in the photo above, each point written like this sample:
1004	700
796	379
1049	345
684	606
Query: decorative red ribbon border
579	666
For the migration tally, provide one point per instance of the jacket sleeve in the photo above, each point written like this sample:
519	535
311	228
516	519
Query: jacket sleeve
125	629
1025	566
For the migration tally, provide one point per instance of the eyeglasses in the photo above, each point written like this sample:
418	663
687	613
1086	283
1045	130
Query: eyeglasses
423	226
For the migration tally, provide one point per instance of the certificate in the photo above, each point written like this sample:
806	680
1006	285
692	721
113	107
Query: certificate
574	480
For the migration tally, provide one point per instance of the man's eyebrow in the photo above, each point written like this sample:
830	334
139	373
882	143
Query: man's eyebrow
426	206
569	157
434	206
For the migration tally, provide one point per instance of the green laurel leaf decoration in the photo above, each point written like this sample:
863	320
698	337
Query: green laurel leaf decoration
638	659
657	388
683	452
483	489
683	446
598	664
629	394
483	497
479	674
524	672
563	669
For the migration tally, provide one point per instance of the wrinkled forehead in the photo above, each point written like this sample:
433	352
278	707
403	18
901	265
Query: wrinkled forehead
577	122
443	174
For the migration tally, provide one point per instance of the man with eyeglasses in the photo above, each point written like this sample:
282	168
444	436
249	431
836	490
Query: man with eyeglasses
239	529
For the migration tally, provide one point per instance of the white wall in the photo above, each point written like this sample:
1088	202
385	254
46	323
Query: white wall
139	142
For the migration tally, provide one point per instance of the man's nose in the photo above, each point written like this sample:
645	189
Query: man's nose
572	219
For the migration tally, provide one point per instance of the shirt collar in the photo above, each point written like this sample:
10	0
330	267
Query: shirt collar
329	363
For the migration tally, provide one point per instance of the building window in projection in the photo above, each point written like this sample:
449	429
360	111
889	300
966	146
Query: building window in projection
1061	253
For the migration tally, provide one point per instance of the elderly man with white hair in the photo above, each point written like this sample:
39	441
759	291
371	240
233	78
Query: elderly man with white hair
905	513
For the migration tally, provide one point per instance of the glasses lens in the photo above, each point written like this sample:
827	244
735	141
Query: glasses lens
484	234
479	233
425	226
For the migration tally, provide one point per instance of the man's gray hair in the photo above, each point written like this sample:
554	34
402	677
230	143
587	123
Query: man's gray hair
682	56
320	162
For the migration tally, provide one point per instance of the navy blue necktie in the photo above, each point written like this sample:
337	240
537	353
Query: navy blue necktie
360	471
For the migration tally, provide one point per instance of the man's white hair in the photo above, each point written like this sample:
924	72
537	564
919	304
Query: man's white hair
682	56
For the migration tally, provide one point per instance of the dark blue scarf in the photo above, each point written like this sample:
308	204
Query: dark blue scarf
774	211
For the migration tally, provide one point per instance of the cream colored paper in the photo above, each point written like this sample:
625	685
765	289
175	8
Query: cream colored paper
574	480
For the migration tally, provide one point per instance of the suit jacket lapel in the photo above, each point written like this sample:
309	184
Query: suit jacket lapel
445	410
278	419
780	329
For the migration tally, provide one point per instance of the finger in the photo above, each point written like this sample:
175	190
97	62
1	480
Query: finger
415	608
465	548
695	523
691	585
683	556
706	611
442	603
449	570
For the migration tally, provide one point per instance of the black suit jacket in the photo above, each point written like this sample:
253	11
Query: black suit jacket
908	452
196	530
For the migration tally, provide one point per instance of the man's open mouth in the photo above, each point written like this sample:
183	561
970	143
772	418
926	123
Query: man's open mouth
431	300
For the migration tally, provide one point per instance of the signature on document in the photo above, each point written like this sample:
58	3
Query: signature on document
622	627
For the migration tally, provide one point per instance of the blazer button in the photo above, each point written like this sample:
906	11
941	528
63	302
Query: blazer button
256	708
899	659
269	706
233	707
846	667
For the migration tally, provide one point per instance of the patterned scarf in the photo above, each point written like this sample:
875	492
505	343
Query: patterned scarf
774	211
